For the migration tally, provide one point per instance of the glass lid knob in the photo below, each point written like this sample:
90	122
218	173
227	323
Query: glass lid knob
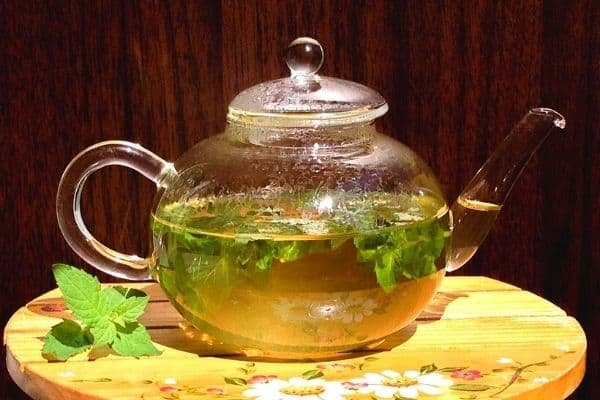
305	98
304	57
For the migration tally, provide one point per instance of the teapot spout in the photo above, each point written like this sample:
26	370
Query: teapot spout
476	208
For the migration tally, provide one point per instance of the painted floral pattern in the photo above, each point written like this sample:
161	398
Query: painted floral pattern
297	388
389	384
468	375
295	311
356	379
355	309
347	309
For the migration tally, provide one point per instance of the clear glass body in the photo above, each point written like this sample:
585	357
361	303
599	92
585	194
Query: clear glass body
300	241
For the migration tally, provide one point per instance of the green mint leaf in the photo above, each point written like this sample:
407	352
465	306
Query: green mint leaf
81	292
65	340
385	272
133	340
292	251
337	243
113	296
266	253
130	309
125	304
103	332
110	315
247	252
129	292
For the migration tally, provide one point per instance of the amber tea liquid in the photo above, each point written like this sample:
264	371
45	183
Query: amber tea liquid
300	294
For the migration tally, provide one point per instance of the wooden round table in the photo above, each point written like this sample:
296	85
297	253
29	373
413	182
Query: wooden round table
479	339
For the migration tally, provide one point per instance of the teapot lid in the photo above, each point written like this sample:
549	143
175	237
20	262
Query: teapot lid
306	99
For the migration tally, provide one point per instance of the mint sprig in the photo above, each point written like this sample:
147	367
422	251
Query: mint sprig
109	318
64	341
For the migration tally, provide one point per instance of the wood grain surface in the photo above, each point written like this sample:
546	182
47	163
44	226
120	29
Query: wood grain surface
473	333
456	74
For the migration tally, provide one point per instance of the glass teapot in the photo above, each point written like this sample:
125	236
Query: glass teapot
300	231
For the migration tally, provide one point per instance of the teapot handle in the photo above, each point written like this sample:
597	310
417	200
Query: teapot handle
68	199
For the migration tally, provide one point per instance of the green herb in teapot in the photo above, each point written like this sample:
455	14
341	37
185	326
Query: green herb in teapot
324	266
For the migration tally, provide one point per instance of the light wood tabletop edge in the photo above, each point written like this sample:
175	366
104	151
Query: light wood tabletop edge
41	388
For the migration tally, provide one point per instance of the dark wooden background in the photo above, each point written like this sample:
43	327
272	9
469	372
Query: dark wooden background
457	75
